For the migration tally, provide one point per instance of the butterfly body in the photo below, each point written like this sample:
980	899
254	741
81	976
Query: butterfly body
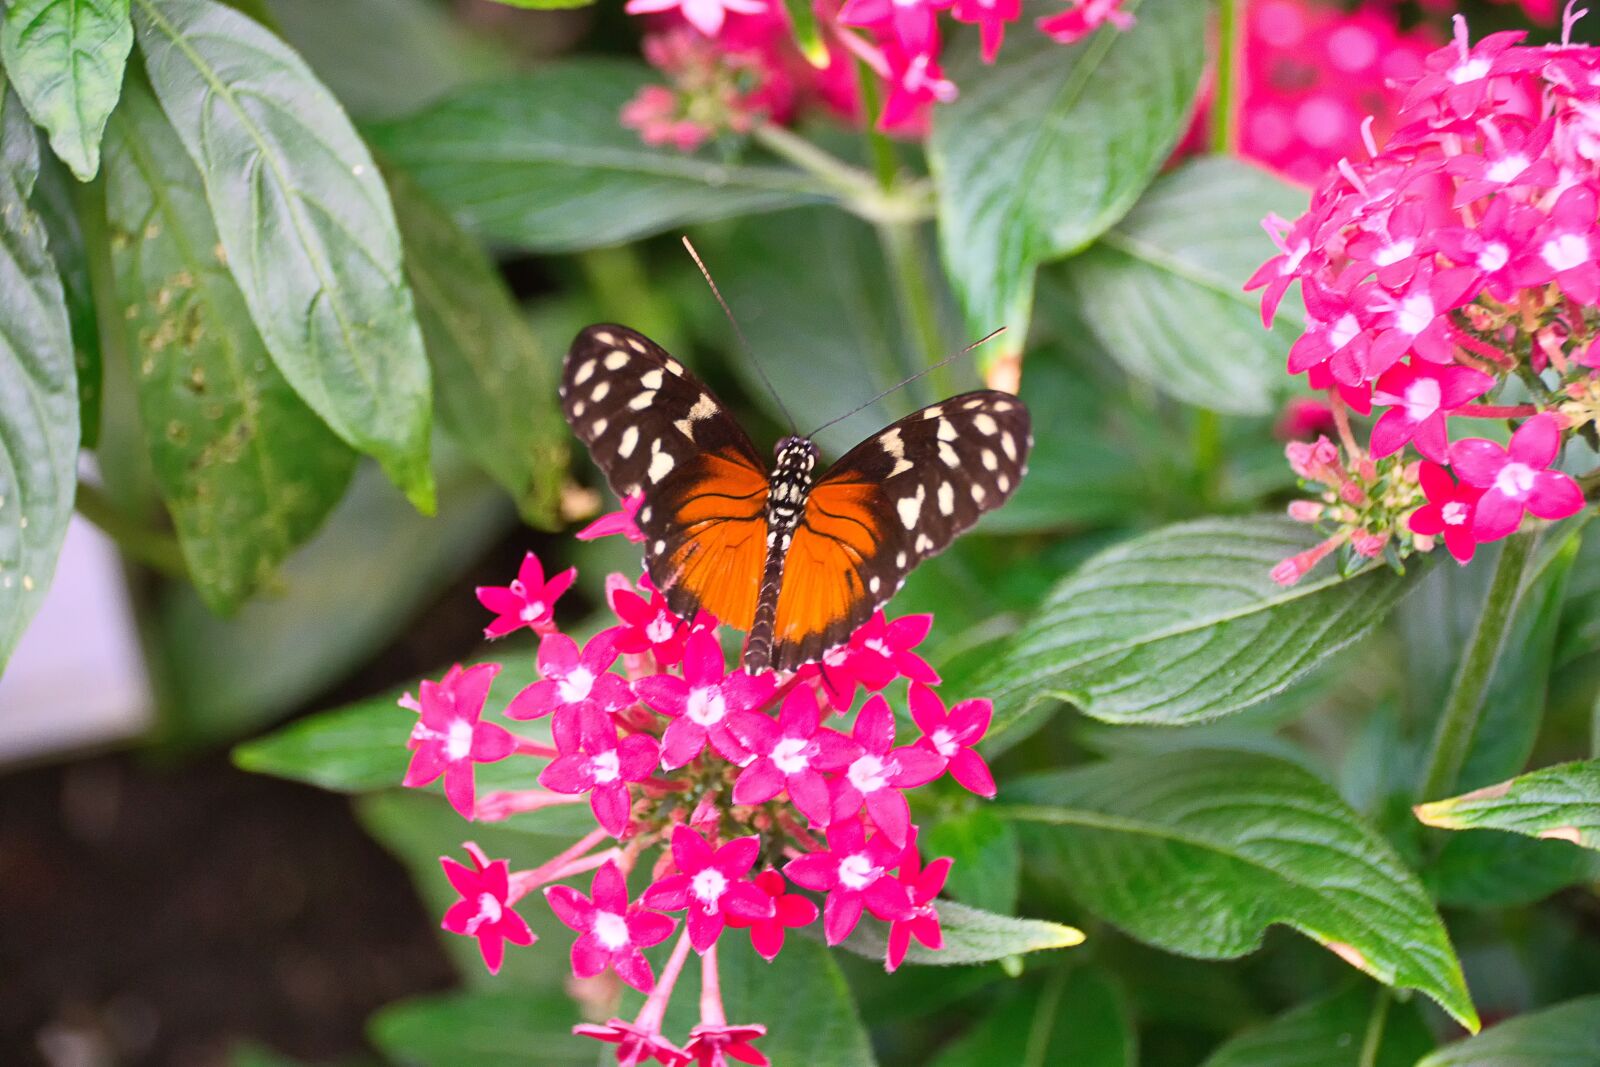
796	560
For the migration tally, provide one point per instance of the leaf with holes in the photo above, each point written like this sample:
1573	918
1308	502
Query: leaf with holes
1199	852
1561	803
1567	1035
305	223
1100	118
1185	624
247	471
543	162
65	59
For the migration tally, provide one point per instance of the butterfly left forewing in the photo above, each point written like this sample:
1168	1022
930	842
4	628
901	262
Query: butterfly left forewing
895	499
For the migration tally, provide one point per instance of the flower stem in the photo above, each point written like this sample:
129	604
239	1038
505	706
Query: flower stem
878	146
1452	739
1224	102
1372	1043
711	1010
154	548
655	1005
902	250
1496	411
815	161
859	192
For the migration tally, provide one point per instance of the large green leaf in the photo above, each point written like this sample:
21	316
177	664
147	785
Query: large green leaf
543	161
1567	1035
305	223
1162	289
1332	1032
800	997
1199	852
505	1027
494	382
1185	624
38	388
247	470
971	935
1561	803
53	196
1491	870
988	862
1078	1019
1050	146
65	59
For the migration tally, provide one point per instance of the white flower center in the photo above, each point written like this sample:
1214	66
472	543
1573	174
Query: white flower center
489	911
870	774
836	657
458	740
706	706
1566	251
1394	253
1414	314
659	628
1515	480
1494	256
605	767
1344	330
1422	399
857	872
576	686
792	754
1507	169
1469	71
1295	257
944	742
531	612
878	645
708	886
611	930
1454	513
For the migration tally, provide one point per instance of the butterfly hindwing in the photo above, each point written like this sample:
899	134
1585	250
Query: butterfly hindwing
654	428
895	499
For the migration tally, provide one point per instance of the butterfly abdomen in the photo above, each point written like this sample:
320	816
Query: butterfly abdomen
786	501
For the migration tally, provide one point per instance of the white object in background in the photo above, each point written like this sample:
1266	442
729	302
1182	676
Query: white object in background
77	678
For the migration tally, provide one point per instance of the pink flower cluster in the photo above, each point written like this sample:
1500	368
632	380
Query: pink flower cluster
732	61
1451	275
755	795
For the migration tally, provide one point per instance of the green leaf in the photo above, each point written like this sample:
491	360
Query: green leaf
542	161
1567	1035
1199	852
1098	120
505	1027
971	935
1332	1032
38	388
987	860
1163	289
802	998
65	59
246	469
305	223
544	5
1561	803
53	198
494	382
1079	1019
1185	624
1491	870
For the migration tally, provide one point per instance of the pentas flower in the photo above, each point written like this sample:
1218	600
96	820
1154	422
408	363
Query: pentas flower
1414	317
922	886
1084	17
790	911
528	601
908	23
791	756
713	1045
915	81
648	625
1515	480
603	767
707	16
484	910
624	522
952	736
641	1040
577	686
611	931
991	17
1419	396
878	653
877	776
702	702
449	739
712	884
1564	248
1448	512
855	873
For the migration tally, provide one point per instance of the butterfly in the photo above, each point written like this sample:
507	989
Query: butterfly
796	558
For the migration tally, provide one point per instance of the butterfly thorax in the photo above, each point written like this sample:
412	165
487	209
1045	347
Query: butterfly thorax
790	481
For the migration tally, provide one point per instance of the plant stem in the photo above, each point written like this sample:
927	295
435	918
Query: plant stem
155	549
813	160
1373	1041
1453	738
902	250
1224	102
878	146
859	192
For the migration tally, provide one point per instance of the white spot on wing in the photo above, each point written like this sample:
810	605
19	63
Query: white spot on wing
630	439
910	507
578	408
615	360
675	367
584	373
601	388
598	428
636	344
703	408
975	402
978	494
651	379
900	560
951	458
605	337
642	401
947	430
1004	481
896	449
661	463
1008	445
874	584
990	460
924	544
985	423
947	498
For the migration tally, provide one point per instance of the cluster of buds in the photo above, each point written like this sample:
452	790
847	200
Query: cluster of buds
754	804
898	41
1455	274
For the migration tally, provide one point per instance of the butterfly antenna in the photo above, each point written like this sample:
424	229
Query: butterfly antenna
991	335
743	340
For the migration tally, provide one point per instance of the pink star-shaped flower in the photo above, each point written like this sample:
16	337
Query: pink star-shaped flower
601	767
449	739
854	872
714	1044
1565	247
1296	258
701	703
1419	397
1515	480
791	754
1416	318
712	884
878	652
1516	157
650	625
915	81
484	910
707	16
1448	512
1404	240
1083	18
635	1044
876	777
1495	247
1339	317
789	911
611	930
622	522
952	736
528	601
909	23
991	17
578	687
1459	73
923	886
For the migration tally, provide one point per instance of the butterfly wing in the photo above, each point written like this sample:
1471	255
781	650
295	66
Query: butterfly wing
654	428
895	499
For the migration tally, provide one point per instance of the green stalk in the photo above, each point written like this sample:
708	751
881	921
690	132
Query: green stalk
153	548
902	250
1224	105
1372	1043
878	146
1453	738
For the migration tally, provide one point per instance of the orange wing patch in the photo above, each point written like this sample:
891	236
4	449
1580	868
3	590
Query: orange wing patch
824	596
724	541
